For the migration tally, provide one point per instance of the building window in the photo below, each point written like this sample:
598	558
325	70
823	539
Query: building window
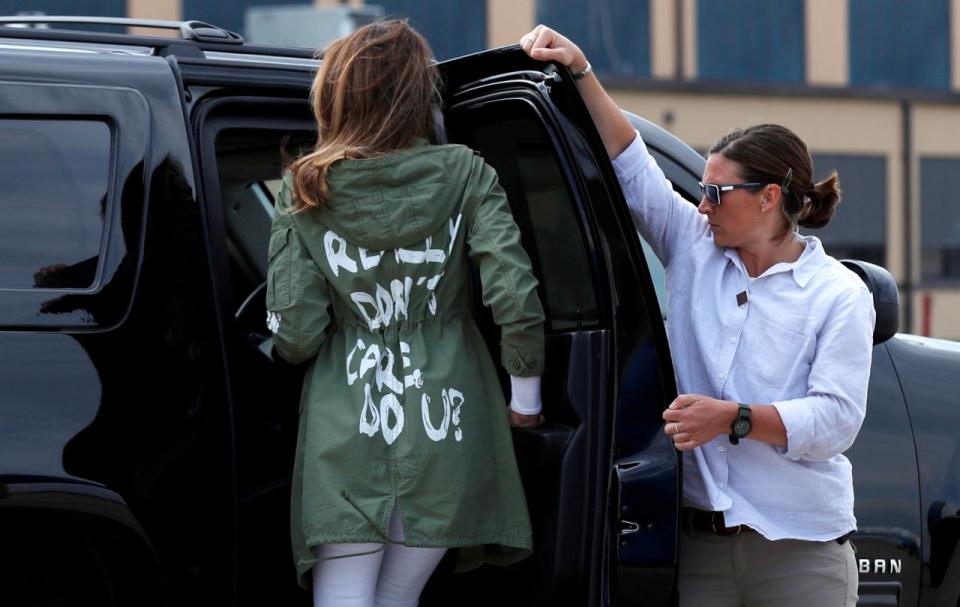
858	229
452	28
53	196
751	40
228	14
900	43
939	219
91	8
614	34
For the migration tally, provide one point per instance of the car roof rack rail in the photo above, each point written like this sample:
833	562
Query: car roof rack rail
189	30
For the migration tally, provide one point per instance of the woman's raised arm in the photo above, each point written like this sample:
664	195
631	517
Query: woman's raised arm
544	44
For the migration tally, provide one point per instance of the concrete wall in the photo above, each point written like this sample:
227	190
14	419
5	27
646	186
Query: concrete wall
154	9
508	20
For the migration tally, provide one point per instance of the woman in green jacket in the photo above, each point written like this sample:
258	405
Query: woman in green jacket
404	445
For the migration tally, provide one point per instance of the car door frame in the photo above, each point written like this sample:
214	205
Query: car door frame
636	329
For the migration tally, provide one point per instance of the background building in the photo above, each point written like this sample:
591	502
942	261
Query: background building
873	86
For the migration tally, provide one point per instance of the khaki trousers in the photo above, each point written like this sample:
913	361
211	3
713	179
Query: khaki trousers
748	570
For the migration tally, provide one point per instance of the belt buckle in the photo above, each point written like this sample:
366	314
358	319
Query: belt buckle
724	530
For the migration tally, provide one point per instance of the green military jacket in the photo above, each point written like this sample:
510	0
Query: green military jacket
401	404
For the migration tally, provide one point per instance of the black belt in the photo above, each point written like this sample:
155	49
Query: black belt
843	538
704	520
712	522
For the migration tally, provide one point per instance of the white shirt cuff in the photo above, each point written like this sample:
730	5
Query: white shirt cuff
525	395
632	160
799	424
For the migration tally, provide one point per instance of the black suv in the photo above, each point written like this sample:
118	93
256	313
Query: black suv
146	436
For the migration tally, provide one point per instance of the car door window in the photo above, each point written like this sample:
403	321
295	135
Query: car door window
72	197
249	163
513	140
53	195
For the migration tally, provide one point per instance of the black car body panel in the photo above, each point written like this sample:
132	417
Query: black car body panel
140	420
118	387
928	370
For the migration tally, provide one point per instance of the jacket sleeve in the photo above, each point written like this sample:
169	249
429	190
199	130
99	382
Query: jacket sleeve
509	287
298	296
825	422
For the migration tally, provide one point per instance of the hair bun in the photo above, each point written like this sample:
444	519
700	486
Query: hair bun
820	203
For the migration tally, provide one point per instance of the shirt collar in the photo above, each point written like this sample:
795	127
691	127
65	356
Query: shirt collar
803	269
811	260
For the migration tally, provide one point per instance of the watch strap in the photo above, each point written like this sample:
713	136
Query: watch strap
742	413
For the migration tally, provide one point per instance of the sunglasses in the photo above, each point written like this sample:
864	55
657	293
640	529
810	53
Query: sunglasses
713	191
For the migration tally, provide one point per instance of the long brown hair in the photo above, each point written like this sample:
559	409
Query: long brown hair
770	153
371	96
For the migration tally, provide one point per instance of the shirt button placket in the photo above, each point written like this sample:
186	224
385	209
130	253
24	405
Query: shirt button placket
731	349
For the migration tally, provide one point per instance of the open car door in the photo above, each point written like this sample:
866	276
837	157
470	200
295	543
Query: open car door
602	480
600	476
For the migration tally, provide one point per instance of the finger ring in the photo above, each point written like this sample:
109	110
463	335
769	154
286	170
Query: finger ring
529	39
675	430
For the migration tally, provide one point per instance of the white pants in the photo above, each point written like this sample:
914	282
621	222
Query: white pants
378	576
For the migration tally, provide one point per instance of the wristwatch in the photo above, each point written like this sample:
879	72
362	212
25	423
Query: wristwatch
742	425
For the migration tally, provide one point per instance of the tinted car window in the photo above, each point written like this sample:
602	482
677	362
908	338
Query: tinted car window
249	164
512	138
658	275
53	197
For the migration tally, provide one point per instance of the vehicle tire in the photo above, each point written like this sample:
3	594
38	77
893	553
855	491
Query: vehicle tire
52	559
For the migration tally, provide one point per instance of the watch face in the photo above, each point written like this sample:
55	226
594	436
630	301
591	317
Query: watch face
742	427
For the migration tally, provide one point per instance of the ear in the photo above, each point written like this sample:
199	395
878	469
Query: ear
771	196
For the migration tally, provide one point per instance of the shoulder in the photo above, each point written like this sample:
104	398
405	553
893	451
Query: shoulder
464	160
825	283
840	279
842	292
288	213
449	152
823	272
284	202
451	163
454	150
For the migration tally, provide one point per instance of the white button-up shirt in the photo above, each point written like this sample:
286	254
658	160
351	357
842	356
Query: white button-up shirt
802	342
